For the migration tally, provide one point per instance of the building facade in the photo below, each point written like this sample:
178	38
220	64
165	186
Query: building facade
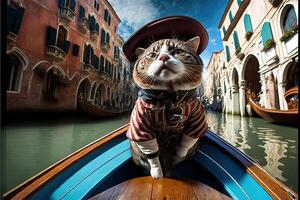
61	49
213	94
260	40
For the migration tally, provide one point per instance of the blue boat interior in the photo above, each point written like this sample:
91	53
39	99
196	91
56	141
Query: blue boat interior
111	164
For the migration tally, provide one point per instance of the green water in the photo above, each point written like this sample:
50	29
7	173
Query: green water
33	145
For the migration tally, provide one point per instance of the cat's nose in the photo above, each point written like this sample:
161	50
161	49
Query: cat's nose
164	57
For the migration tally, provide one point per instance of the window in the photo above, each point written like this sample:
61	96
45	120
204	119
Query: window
290	19
106	15
109	19
95	4
92	23
102	64
53	78
14	16
227	53
236	40
81	12
14	73
103	35
61	40
247	24
75	50
107	40
230	16
63	4
266	33
87	54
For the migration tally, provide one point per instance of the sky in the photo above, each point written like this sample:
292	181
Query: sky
136	13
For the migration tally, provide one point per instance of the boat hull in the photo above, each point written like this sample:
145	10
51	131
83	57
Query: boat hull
107	162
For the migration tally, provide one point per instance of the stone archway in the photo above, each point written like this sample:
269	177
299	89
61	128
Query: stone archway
250	81
83	91
235	92
100	95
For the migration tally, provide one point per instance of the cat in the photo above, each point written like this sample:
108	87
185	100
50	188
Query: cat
168	119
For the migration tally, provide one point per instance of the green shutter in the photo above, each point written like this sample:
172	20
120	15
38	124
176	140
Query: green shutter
247	24
73	5
51	36
227	53
81	12
230	16
239	2
65	46
266	33
236	40
10	17
224	30
61	3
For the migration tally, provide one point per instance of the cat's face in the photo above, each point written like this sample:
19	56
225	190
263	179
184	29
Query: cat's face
168	64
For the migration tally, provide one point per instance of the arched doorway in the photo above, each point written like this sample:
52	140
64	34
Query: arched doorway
93	92
83	92
235	92
291	80
100	93
251	79
54	75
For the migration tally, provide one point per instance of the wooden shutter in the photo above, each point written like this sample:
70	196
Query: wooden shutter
87	55
266	33
75	50
236	40
101	63
107	38
106	15
97	27
227	53
66	46
17	21
10	17
81	12
51	36
247	24
92	24
61	4
73	5
109	19
103	34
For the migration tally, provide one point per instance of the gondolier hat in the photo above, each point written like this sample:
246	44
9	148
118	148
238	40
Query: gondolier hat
180	27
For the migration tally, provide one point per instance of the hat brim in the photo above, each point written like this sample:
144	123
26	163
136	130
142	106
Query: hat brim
181	27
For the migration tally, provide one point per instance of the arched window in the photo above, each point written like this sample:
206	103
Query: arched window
227	53
248	24
289	19
14	73
266	33
53	77
236	40
61	37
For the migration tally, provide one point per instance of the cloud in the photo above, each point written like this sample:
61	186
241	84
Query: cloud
134	14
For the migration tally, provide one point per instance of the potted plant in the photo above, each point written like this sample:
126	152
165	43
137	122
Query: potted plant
269	44
248	35
287	35
239	54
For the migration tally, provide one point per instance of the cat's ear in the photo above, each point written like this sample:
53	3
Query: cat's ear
193	43
139	51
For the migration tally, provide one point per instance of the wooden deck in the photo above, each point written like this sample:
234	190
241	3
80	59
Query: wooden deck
160	189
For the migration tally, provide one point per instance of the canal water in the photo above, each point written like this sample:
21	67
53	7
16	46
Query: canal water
33	145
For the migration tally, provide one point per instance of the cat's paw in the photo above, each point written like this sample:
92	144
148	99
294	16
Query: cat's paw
156	173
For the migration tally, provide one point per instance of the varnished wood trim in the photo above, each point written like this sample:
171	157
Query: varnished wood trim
275	188
27	188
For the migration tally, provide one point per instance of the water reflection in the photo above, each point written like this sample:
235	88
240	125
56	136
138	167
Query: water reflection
274	147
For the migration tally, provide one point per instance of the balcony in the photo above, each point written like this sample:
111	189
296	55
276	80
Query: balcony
66	14
56	53
82	25
94	35
105	46
11	36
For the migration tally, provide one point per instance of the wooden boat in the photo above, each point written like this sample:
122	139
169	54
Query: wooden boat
290	92
95	111
275	115
104	170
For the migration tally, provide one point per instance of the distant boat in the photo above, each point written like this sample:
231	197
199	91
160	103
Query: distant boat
95	111
289	117
104	169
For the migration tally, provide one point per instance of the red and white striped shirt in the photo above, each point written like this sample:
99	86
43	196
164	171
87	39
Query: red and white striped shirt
148	119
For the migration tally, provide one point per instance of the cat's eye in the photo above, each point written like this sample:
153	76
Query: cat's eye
152	55
178	51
